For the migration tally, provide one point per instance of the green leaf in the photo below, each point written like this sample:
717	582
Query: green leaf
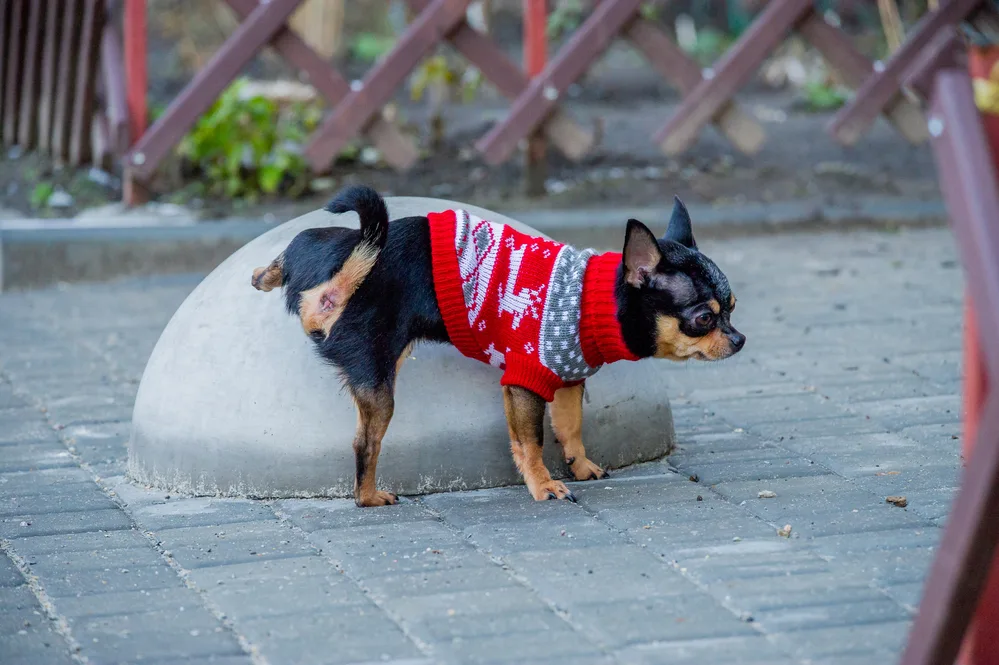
270	177
40	194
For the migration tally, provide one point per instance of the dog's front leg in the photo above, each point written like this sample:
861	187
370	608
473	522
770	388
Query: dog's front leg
567	421
374	411
525	417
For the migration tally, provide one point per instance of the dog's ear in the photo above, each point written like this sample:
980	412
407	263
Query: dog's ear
679	225
271	277
641	253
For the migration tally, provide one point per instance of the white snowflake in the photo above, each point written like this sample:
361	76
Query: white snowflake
534	247
482	326
546	253
528	348
509	242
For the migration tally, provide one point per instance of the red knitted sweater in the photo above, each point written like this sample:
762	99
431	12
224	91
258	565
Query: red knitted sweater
540	310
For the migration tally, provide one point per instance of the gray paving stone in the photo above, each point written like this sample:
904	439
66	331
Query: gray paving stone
908	594
840	426
881	640
851	613
288	586
197	547
128	602
553	533
42	481
448	628
84	497
357	634
80	542
618	624
742	650
316	515
30	456
210	659
441	606
176	513
594	574
17	598
37	649
10	576
116	558
531	647
45	524
117	639
766	469
752	411
89	582
23	622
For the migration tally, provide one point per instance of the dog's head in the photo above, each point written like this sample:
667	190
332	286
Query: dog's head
675	302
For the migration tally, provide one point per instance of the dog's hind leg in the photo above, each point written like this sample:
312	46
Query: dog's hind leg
567	421
525	416
374	411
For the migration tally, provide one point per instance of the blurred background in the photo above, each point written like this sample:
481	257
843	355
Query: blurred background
243	157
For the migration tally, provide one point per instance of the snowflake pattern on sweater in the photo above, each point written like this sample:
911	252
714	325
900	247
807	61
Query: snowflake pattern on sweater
520	296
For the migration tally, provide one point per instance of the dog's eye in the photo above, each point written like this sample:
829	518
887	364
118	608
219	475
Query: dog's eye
704	320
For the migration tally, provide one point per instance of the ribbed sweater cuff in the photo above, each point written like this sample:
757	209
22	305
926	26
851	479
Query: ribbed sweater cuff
599	328
530	374
447	282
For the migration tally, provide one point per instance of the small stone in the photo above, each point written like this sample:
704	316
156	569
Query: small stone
694	478
784	532
25	523
767	494
370	156
899	501
322	184
737	539
61	199
700	498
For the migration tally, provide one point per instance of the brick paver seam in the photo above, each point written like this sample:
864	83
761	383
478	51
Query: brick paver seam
244	642
425	648
872	584
57	621
519	579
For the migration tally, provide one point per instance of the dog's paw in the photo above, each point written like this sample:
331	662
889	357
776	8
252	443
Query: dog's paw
379	498
552	489
584	469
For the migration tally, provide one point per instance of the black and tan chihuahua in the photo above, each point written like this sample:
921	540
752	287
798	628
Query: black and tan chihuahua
546	313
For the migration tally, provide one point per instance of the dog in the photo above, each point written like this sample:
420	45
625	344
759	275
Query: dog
547	314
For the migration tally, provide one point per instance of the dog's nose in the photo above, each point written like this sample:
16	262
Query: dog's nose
738	340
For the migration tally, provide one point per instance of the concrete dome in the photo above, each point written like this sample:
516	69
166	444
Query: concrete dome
234	400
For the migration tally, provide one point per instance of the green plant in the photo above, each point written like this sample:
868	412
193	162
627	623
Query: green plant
821	96
368	47
245	146
440	79
710	44
40	194
565	18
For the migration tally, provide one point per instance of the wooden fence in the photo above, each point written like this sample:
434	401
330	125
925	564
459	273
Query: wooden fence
62	87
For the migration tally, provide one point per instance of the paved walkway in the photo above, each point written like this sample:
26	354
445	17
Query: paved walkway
847	392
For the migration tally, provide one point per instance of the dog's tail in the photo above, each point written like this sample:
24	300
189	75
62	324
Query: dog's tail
370	207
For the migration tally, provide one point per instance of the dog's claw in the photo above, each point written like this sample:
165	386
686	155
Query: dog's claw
552	496
571	497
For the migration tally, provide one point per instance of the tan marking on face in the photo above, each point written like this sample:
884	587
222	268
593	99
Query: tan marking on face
731	302
672	344
270	277
321	306
715	306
